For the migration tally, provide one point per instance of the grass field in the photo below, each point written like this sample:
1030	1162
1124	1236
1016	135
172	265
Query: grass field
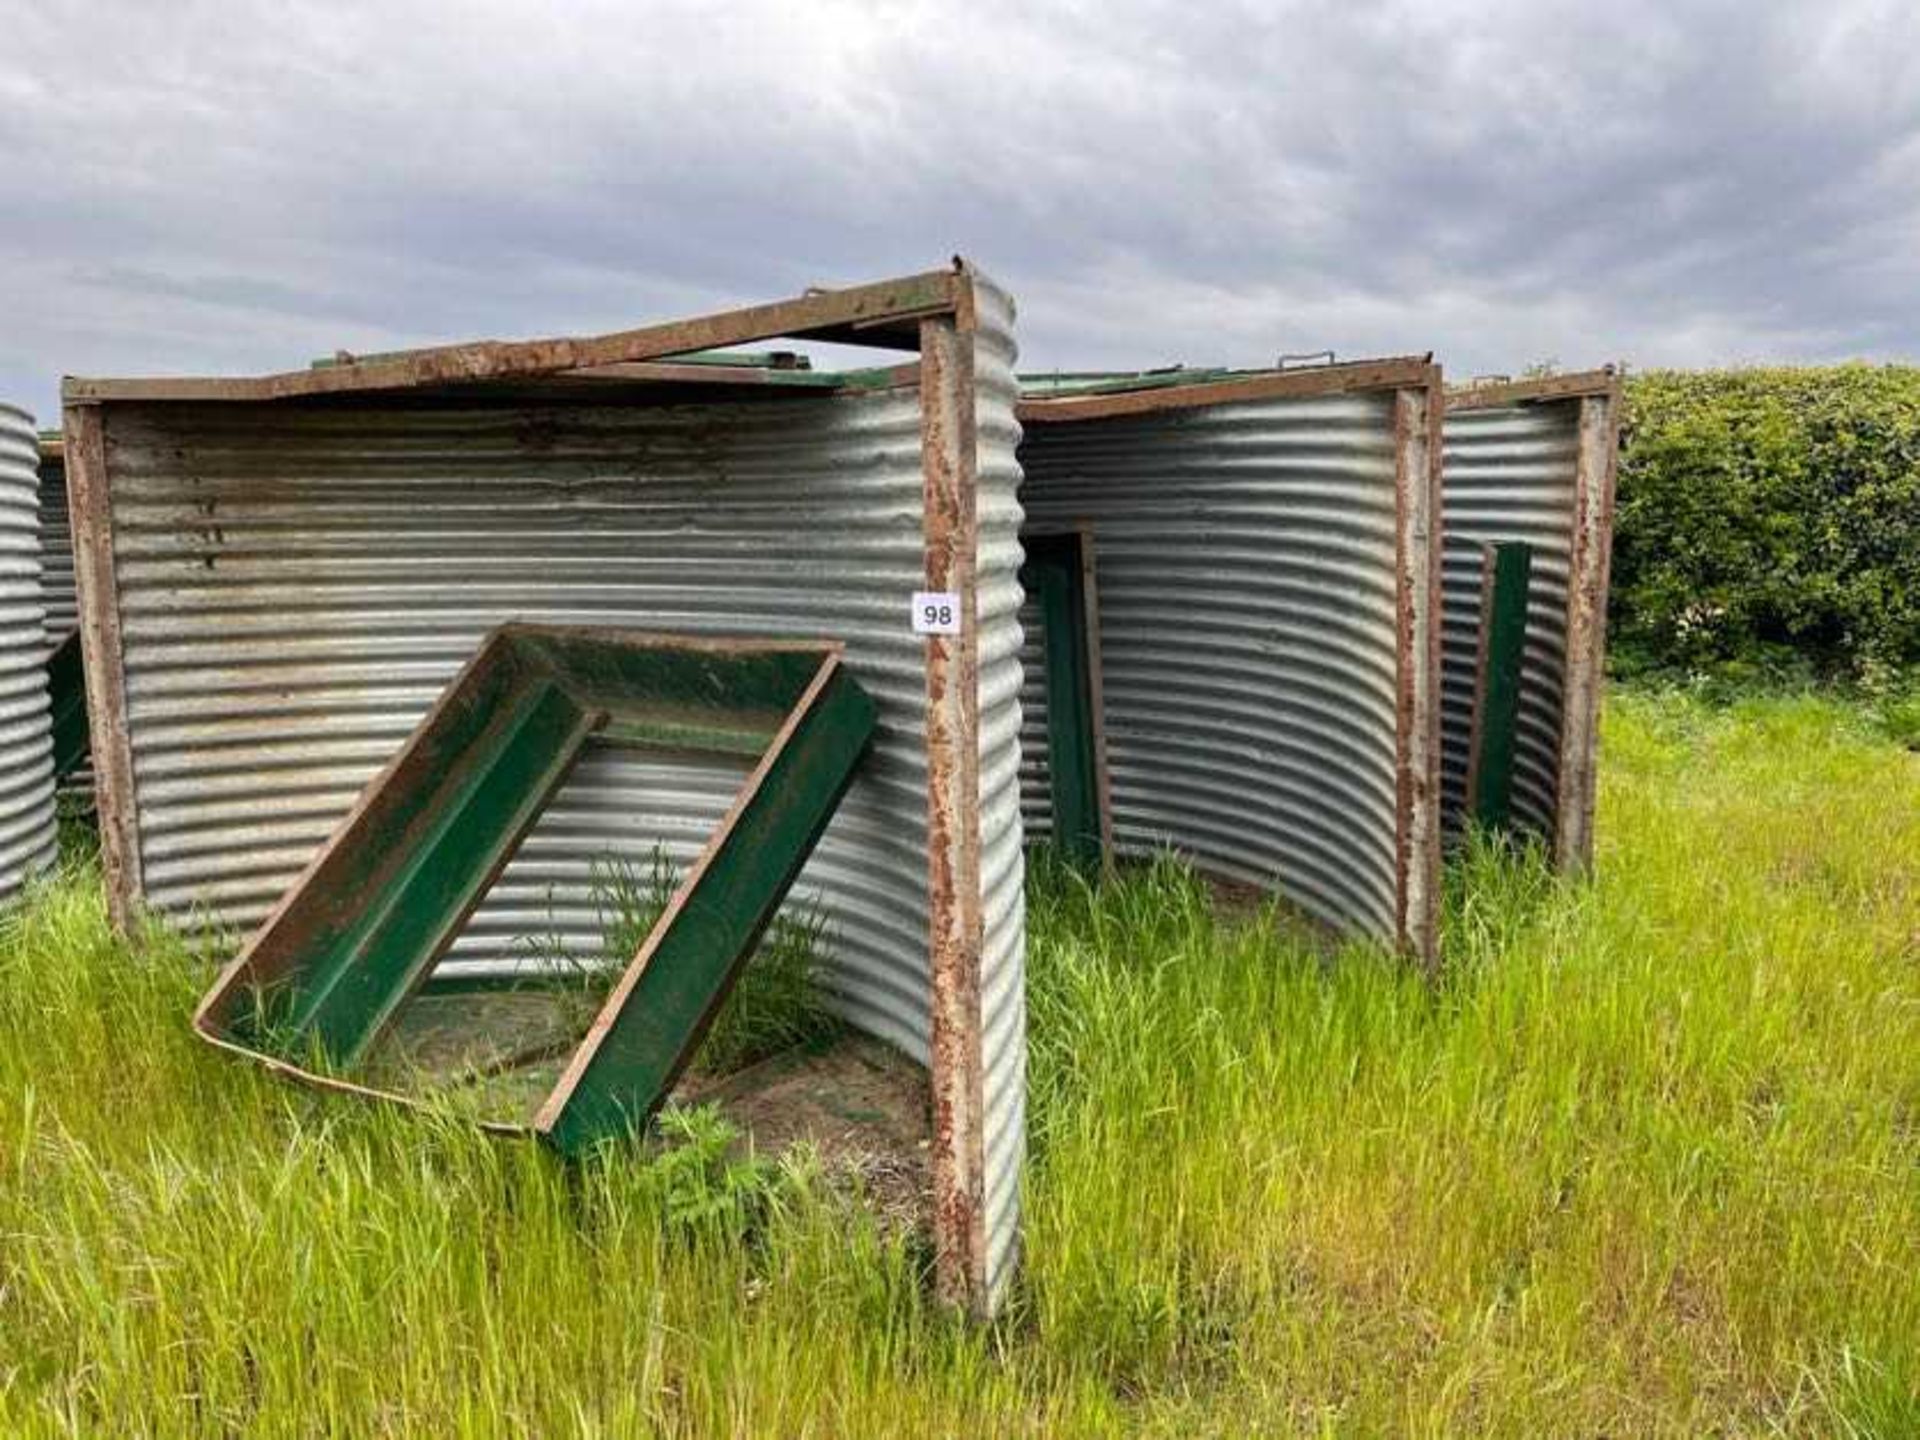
1648	1163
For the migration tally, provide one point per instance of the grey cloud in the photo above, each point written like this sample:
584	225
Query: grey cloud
228	187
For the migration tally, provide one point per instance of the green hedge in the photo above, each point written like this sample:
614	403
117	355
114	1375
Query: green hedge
1769	519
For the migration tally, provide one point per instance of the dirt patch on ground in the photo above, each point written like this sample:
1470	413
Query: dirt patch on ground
864	1106
861	1104
1238	902
504	1049
1236	898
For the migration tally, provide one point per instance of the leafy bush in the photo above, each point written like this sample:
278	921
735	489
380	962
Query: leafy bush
1769	520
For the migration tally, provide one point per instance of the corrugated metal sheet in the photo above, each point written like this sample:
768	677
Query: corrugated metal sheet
1003	997
1247	582
28	839
1036	798
1510	474
57	583
296	586
56	551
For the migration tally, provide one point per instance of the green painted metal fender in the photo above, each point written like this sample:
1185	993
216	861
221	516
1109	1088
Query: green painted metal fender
358	934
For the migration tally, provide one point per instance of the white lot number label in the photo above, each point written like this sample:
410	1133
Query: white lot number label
936	612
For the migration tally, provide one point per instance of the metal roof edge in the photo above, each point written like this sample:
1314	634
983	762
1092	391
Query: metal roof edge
1572	386
885	314
1391	373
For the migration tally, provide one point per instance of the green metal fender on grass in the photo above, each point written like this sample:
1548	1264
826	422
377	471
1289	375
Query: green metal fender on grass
358	934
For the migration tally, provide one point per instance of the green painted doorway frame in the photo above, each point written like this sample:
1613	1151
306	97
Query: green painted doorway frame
1506	579
1059	574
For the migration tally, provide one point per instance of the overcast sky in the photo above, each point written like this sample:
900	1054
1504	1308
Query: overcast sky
237	187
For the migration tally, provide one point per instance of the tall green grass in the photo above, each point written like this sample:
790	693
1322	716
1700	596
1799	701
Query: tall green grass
776	1003
1648	1162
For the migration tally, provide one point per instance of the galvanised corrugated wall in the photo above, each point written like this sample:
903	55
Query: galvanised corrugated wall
1036	798
28	838
56	551
1509	475
297	585
1003	998
1245	562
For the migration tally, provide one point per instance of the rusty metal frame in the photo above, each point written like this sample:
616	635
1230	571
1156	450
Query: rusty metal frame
1595	478
1418	391
1577	385
953	814
1387	374
1599	395
102	661
932	312
885	314
1418	411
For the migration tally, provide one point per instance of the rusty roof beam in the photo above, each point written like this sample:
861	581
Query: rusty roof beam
1471	396
1341	379
886	314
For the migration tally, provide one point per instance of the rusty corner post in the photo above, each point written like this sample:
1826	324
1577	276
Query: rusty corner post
1418	412
1595	477
102	658
955	924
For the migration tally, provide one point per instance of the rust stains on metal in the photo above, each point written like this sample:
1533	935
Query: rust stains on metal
1587	581
889	312
955	923
1320	380
886	314
667	372
971	911
1604	381
93	558
1417	416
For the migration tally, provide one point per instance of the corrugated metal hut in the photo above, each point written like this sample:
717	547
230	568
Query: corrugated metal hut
1258	591
278	575
1531	463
